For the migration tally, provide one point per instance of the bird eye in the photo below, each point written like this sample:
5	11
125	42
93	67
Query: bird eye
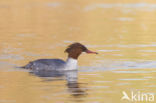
84	48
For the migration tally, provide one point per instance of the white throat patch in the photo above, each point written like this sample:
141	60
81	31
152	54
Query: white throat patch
71	64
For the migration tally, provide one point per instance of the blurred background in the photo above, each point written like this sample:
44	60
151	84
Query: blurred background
122	31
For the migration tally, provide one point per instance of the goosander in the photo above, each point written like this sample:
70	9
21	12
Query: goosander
74	50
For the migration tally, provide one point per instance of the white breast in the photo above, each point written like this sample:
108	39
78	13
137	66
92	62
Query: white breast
71	64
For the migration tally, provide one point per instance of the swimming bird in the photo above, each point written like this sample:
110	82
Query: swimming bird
74	50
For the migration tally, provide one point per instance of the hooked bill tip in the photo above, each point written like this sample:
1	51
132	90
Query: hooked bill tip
91	52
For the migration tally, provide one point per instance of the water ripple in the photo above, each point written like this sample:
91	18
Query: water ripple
120	5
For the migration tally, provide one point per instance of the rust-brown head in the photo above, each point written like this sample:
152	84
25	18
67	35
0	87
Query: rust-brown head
74	50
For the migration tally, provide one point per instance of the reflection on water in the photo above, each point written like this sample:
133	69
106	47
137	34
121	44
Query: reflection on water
76	90
71	77
71	86
123	32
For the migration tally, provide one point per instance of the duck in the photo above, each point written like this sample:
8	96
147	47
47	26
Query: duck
74	50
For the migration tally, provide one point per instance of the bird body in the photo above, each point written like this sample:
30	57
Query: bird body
73	50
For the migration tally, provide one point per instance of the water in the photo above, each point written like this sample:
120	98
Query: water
123	32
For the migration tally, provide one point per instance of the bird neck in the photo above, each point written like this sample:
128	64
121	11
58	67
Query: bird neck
71	64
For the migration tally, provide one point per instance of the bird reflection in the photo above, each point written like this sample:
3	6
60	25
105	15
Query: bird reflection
73	86
76	90
71	76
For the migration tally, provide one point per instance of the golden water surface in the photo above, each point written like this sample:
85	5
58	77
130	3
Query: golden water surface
123	32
